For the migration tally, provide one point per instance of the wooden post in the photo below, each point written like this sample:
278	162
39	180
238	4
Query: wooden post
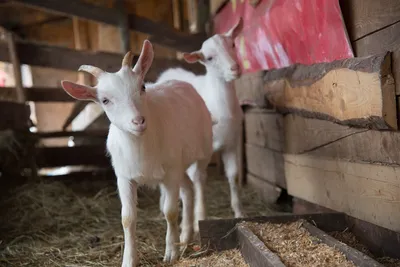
177	14
81	39
12	48
123	26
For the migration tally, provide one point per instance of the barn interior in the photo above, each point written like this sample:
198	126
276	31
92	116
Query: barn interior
320	96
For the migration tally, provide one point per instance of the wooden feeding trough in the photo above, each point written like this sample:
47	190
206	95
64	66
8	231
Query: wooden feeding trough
220	235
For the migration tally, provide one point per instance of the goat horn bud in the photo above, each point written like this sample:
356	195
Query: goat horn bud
127	61
95	71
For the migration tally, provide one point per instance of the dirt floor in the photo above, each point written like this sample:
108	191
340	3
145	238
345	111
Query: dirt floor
54	224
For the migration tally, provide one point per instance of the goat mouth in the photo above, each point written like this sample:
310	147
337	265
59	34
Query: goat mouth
139	131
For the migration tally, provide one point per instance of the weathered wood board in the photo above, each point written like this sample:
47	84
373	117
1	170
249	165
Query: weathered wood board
366	191
357	91
363	17
327	139
265	164
264	128
266	190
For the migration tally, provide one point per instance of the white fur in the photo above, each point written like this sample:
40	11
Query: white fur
216	88
177	133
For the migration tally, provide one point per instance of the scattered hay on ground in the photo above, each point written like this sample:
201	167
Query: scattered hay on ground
296	247
52	224
228	258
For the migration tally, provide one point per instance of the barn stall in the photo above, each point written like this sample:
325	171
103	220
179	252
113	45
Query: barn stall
59	201
60	205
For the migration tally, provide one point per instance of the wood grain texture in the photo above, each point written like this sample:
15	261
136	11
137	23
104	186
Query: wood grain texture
14	116
387	39
363	17
357	91
38	94
254	251
264	128
330	140
365	191
265	164
268	192
70	59
250	87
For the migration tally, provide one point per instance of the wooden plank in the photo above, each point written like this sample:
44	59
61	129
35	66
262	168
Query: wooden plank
365	191
305	134
250	87
265	164
327	139
254	251
264	128
364	17
357	91
165	35
267	191
70	59
357	257
14	116
38	94
381	41
221	235
67	156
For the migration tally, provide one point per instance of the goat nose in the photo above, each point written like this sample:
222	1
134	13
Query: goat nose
139	120
235	68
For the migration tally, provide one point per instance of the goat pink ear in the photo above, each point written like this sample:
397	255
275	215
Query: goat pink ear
192	57
236	29
145	59
79	91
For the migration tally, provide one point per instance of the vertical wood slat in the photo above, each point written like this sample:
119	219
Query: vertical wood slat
12	48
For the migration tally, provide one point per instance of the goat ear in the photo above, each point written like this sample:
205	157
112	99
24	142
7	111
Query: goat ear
236	29
145	59
193	57
79	91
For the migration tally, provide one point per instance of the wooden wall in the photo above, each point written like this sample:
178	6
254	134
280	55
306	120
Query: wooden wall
331	136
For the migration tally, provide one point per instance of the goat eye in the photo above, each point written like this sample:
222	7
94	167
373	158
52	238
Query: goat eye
105	101
143	88
209	58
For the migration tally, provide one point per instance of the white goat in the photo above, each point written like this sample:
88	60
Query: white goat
156	133
217	54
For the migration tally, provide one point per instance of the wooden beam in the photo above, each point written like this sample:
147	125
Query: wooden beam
14	116
266	190
364	17
70	59
164	34
100	134
14	58
330	140
123	26
265	164
366	191
357	91
68	156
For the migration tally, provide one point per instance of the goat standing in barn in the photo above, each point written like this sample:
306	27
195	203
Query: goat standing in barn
218	55
156	133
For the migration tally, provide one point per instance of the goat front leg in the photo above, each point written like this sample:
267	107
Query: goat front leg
230	159
128	195
171	191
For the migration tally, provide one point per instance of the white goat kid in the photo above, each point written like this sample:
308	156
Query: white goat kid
156	133
217	54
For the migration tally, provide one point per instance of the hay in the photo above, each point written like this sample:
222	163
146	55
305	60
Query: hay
296	247
228	258
52	224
